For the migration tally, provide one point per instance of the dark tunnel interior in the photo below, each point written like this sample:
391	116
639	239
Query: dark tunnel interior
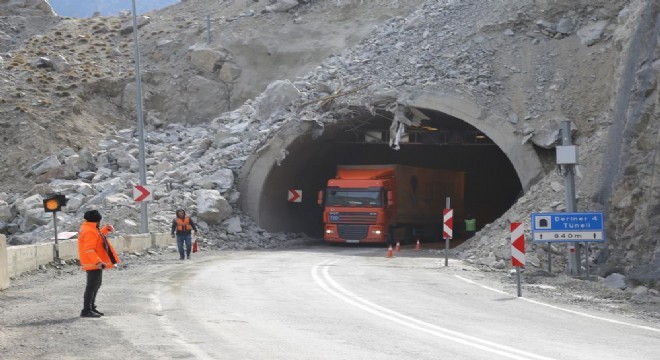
442	141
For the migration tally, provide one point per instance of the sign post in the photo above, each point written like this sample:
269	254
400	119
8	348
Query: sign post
56	243
144	219
566	158
517	251
586	255
54	204
447	228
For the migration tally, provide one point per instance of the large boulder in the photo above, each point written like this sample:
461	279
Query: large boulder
5	212
26	8
212	208
233	225
71	186
118	199
32	202
33	218
592	33
615	281
60	172
282	5
206	98
86	160
74	203
223	179
127	27
60	63
548	136
42	5
206	59
274	99
126	161
161	166
73	161
565	25
230	72
45	165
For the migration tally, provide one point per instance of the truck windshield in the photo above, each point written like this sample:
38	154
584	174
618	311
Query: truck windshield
348	197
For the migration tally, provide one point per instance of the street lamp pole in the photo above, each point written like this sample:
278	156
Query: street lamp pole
144	226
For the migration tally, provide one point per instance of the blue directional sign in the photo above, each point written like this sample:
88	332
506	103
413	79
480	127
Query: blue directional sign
568	227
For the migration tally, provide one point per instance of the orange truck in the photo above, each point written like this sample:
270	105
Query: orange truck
388	203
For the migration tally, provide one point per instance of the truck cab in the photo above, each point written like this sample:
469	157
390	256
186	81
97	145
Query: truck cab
357	211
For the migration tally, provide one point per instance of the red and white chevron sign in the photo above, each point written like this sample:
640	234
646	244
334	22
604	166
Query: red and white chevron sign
294	196
517	244
142	193
448	223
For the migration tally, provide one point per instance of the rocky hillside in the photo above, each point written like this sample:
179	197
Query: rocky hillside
69	90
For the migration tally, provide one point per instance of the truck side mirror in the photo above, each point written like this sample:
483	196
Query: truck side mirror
390	199
319	199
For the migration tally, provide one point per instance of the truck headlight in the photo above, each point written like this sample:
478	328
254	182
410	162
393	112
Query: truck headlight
376	232
329	231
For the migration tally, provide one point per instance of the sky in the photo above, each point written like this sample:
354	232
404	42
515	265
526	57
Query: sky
85	8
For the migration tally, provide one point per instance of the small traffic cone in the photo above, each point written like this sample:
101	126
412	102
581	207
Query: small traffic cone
398	247
417	247
389	252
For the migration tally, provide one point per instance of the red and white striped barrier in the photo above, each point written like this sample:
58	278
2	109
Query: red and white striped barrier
517	245
448	223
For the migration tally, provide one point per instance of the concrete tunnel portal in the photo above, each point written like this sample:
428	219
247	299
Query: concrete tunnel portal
498	169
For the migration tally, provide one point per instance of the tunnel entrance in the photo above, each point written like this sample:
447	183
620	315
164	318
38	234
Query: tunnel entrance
442	141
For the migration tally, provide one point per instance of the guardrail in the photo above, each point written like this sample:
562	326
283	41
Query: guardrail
16	260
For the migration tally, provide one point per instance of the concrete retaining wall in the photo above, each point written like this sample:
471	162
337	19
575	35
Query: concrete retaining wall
4	269
162	239
120	244
22	258
43	254
137	243
68	249
15	260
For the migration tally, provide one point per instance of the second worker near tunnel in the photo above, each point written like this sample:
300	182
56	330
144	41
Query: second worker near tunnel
182	226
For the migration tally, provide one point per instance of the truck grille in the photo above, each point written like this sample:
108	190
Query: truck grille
354	217
353	232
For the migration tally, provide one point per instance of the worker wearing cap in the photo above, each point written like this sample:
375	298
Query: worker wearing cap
95	253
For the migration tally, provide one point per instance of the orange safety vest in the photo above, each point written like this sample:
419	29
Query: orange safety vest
183	224
94	249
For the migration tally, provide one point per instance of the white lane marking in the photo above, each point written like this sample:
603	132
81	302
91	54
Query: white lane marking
483	286
644	327
327	283
179	338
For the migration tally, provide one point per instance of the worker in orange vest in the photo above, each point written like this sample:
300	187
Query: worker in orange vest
182	226
96	254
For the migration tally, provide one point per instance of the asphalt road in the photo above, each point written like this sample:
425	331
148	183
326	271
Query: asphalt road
353	303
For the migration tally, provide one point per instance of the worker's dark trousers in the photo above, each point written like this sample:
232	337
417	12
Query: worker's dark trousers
94	278
180	240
